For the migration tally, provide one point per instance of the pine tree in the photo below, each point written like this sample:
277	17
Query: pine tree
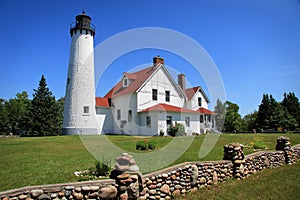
220	109
264	113
44	112
291	105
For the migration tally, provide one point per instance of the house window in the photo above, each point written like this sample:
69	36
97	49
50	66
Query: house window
201	119
86	109
129	115
169	121
148	121
187	121
209	118
110	103
167	96
154	94
199	101
125	82
118	114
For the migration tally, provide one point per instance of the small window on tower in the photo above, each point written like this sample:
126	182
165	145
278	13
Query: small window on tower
86	109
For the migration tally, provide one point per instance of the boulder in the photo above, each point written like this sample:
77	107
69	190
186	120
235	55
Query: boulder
37	192
108	192
165	189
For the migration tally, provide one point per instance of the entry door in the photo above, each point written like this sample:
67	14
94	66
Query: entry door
169	121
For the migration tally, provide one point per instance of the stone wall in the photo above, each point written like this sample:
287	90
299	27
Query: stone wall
163	184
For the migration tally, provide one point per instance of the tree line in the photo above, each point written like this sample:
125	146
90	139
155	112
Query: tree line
271	116
41	116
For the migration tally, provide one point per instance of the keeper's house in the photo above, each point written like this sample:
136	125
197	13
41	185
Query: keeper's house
148	101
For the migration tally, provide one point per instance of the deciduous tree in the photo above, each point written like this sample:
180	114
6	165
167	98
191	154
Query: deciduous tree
233	118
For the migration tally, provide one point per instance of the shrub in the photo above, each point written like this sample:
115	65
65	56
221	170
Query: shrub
141	145
151	145
145	145
102	168
259	145
161	133
177	130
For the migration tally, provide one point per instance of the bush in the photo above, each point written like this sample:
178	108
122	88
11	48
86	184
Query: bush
141	145
151	145
102	168
161	133
145	145
259	145
177	130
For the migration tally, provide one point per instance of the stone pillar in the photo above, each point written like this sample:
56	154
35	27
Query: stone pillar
128	177
234	152
284	144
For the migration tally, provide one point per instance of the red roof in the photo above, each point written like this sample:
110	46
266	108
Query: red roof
190	92
166	107
170	108
206	111
138	79
102	102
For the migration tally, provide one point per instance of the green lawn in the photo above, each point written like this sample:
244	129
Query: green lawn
279	183
44	160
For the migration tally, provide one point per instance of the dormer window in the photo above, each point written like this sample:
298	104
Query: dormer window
125	81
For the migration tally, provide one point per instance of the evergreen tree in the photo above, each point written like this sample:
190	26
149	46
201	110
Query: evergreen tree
233	118
291	105
220	109
44	112
3	118
275	116
264	113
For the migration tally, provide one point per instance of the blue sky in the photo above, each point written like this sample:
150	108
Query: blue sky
255	44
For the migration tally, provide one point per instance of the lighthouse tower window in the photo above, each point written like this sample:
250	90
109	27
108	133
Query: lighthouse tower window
86	109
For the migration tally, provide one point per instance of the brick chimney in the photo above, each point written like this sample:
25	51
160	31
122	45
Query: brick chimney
158	60
181	81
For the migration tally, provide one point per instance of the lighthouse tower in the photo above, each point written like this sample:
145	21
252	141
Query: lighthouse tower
79	109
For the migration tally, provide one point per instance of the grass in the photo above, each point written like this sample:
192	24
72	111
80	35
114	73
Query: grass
279	183
45	160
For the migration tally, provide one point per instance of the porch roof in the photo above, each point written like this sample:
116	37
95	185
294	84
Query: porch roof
170	108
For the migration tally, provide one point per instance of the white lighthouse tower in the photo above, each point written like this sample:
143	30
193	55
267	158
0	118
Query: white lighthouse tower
79	109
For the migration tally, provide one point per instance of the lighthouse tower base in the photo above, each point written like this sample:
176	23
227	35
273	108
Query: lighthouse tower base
80	131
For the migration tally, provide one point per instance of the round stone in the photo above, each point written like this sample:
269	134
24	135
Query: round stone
85	188
36	192
165	175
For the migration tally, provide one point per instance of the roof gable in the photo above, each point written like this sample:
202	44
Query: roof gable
138	78
163	68
190	93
